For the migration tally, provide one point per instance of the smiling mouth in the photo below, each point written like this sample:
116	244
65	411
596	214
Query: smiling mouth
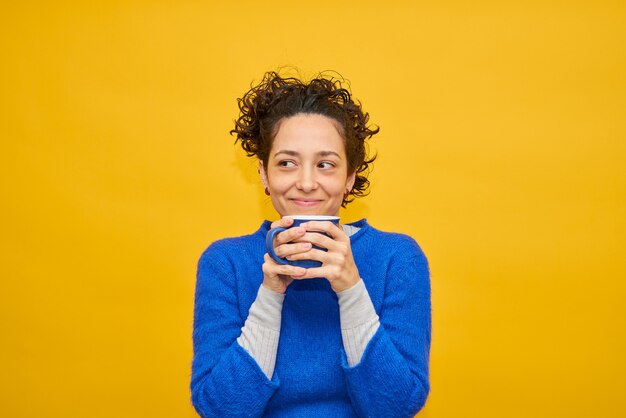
306	202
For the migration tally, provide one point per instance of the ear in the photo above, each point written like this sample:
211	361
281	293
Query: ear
263	174
350	181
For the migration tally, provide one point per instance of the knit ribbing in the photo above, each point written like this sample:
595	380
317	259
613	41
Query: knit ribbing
261	332
359	321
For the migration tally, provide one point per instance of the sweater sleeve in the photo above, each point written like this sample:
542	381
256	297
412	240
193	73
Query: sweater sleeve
391	380
226	381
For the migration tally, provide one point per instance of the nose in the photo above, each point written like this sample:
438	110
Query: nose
307	181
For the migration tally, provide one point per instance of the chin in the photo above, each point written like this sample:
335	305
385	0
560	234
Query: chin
306	212
309	211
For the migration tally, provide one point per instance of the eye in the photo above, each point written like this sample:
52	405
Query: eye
286	163
326	165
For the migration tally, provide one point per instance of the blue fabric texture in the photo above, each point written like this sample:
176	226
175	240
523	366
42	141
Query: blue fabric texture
312	378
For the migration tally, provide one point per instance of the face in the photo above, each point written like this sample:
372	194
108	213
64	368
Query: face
307	169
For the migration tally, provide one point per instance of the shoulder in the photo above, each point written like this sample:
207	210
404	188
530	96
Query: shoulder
392	264
227	245
233	248
395	244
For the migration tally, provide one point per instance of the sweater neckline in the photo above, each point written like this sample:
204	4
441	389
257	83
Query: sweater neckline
362	224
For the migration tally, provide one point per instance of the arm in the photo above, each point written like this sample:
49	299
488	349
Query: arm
226	380
226	377
392	377
260	335
359	321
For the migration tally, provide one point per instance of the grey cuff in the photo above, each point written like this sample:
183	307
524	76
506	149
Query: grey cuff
261	331
267	308
359	321
355	306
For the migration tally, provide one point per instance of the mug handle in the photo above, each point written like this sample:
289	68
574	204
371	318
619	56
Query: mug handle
269	243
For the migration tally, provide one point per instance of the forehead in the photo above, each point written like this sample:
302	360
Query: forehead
309	132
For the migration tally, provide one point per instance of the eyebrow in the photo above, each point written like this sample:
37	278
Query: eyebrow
297	154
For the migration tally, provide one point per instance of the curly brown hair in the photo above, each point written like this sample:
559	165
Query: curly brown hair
275	98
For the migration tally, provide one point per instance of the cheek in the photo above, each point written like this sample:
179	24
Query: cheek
336	185
278	181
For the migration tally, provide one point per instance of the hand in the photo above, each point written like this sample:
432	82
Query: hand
338	265
276	276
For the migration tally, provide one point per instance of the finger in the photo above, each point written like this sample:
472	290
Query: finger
272	269
320	240
327	227
314	273
285	250
283	222
313	254
291	234
292	271
268	265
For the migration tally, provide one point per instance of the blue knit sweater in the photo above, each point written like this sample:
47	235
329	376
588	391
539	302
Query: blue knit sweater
312	378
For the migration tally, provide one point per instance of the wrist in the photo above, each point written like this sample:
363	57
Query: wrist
267	309
341	285
273	288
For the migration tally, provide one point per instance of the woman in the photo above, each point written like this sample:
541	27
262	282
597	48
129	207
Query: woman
349	338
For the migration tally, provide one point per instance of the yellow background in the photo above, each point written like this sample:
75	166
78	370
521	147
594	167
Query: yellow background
502	151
